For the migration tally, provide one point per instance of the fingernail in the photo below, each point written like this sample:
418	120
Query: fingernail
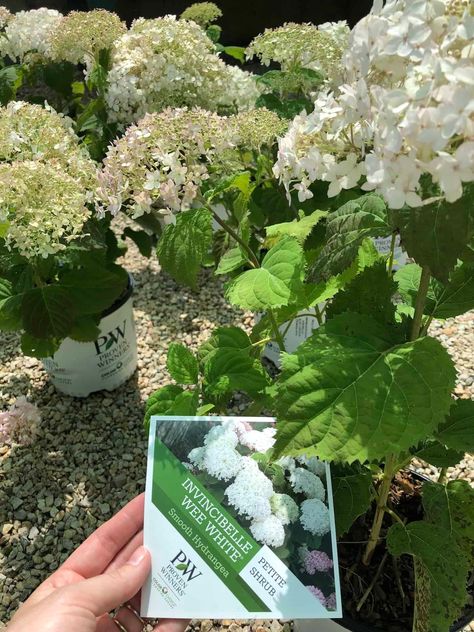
138	556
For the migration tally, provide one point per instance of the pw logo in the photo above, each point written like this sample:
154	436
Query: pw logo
188	569
104	343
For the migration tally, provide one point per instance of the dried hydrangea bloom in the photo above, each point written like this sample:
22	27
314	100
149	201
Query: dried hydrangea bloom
165	63
258	127
20	423
42	206
203	13
81	35
28	32
5	17
31	132
301	45
162	161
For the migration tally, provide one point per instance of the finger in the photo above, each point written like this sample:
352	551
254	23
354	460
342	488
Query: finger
171	625
130	619
103	593
97	552
126	553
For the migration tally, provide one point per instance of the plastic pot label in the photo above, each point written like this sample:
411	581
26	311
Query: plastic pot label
80	368
383	244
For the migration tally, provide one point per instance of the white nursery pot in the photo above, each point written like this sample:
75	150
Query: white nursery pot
81	368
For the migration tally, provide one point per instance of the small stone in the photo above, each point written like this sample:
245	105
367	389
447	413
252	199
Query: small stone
16	502
206	625
7	527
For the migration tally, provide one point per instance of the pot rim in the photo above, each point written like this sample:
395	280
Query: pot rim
356	626
123	298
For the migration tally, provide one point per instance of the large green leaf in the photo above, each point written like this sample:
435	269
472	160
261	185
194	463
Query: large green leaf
231	260
224	338
346	229
183	246
85	329
299	229
457	432
171	400
439	455
93	289
47	312
11	78
352	494
369	293
274	284
181	364
39	347
142	239
437	234
10	307
228	370
441	572
354	392
443	300
451	507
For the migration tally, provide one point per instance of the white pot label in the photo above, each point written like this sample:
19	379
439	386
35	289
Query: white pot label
80	368
383	246
222	545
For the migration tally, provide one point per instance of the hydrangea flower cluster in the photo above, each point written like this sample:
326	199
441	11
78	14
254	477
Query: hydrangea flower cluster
28	32
258	127
20	422
203	13
406	110
46	180
305	482
151	70
303	45
81	35
316	561
162	161
5	17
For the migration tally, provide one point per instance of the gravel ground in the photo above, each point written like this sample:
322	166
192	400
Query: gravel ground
89	457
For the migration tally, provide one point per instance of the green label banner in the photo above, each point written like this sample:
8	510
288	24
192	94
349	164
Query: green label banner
207	527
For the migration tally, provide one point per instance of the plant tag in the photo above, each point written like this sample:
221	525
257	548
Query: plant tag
232	533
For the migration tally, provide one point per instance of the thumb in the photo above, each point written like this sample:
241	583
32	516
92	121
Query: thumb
105	592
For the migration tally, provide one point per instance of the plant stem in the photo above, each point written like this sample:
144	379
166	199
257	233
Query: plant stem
392	253
443	475
373	582
420	303
276	331
259	343
252	258
383	492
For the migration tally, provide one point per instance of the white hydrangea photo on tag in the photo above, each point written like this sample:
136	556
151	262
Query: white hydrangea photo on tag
232	532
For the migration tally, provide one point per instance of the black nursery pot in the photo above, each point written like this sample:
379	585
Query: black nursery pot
346	624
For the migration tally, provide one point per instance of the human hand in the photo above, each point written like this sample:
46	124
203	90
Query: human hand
106	571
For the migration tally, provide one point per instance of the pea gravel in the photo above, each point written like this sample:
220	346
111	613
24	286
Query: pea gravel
89	457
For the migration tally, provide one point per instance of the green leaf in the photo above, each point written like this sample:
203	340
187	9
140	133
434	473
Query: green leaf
441	572
443	300
438	455
227	370
48	312
346	229
182	247
270	203
237	52
93	289
141	239
38	348
299	229
352	494
231	260
353	392
451	507
457	432
181	364
204	409
10	307
369	293
437	234
171	400
85	329
11	78
224	338
274	283
59	76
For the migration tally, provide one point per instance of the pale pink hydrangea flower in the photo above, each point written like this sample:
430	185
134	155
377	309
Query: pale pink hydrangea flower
19	423
317	561
318	593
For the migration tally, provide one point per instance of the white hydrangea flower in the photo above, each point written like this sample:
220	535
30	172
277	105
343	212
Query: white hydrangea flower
287	463
196	457
221	460
28	32
284	508
251	491
269	531
259	440
313	464
225	434
305	482
315	517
